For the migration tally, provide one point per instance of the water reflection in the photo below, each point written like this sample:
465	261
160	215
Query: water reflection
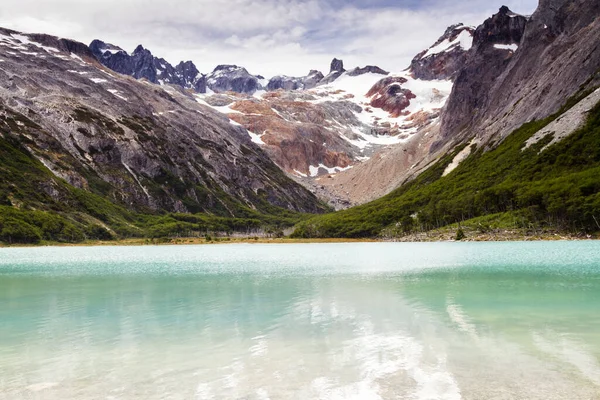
464	331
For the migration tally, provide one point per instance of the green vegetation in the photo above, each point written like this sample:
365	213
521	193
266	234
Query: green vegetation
37	206
509	186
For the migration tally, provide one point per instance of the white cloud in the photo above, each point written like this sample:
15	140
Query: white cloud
266	36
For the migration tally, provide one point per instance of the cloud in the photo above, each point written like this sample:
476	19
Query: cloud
267	36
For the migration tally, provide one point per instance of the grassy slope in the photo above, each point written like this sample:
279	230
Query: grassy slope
35	205
558	188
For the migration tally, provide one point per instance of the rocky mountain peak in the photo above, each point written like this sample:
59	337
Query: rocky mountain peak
232	78
337	66
99	47
494	45
369	69
142	64
505	27
446	56
288	83
140	49
228	68
335	71
187	68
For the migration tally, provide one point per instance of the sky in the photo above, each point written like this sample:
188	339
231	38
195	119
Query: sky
268	37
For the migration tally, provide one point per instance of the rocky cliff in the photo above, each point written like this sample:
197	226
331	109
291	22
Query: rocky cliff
142	64
522	69
518	69
231	78
148	148
287	83
445	58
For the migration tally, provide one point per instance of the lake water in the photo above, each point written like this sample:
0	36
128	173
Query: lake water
302	321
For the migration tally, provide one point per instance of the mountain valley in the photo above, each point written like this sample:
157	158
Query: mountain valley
499	119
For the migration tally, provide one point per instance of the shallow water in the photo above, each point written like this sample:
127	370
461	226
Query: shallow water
302	321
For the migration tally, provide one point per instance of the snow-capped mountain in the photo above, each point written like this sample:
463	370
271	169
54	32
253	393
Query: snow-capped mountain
317	125
446	56
284	82
142	64
129	142
335	126
231	78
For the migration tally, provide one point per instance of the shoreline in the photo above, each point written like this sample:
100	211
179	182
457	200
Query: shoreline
445	236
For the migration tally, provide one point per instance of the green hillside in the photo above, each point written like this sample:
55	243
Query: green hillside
37	206
558	188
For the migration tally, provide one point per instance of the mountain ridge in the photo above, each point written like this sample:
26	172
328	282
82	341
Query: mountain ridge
517	147
143	140
97	140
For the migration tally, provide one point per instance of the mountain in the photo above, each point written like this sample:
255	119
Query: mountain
288	83
142	64
523	69
100	148
315	134
231	78
445	58
493	124
518	143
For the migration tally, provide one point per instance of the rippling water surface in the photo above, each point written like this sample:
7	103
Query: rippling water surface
302	321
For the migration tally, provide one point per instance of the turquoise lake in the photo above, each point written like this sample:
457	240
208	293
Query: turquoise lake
302	321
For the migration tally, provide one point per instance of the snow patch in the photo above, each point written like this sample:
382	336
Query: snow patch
365	140
25	40
76	57
222	109
258	94
314	170
117	94
512	47
98	80
111	51
464	40
256	138
430	95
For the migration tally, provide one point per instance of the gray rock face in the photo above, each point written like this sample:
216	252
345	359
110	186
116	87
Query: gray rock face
231	78
500	89
369	69
484	64
287	83
61	44
336	70
337	66
141	146
312	79
505	27
142	64
444	64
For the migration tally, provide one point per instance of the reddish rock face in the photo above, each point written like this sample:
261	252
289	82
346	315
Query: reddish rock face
389	95
297	134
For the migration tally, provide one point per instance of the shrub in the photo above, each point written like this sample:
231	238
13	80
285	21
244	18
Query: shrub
16	231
